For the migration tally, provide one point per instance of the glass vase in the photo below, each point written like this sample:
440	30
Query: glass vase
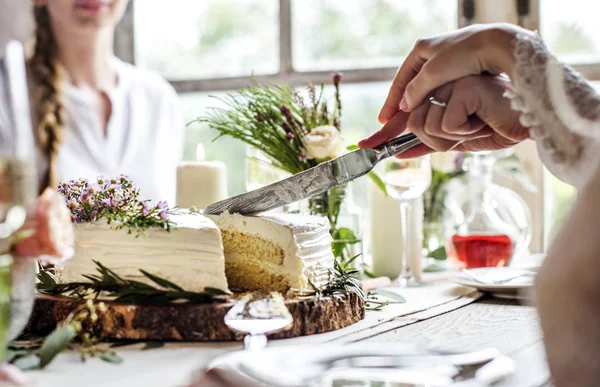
345	218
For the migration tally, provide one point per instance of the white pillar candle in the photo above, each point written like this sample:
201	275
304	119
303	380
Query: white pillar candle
386	235
201	183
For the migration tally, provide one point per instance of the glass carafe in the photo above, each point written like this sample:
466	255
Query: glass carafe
490	224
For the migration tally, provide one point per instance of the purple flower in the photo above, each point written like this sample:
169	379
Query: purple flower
458	161
290	136
146	209
163	205
164	215
337	78
303	155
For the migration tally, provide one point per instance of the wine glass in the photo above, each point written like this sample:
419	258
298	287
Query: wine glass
406	180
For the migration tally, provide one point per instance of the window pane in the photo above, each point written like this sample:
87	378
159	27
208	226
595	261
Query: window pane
361	105
571	29
191	39
330	34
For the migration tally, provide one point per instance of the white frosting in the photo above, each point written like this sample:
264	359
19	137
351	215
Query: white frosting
305	241
190	254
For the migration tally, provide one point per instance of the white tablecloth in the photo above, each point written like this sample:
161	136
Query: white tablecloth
173	364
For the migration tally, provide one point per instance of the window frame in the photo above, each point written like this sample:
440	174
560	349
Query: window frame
479	11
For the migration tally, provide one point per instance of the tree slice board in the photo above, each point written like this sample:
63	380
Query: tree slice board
185	322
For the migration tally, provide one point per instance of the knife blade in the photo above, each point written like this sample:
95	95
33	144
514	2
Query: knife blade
314	181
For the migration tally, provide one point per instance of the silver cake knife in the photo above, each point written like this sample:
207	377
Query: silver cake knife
313	181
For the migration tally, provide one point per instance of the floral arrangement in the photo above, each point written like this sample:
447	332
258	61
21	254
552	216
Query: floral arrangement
296	131
114	200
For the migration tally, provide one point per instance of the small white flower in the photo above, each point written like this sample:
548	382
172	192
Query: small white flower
323	142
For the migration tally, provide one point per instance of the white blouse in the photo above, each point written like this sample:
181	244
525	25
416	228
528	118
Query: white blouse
144	135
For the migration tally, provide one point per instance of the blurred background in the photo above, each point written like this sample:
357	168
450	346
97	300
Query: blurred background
207	48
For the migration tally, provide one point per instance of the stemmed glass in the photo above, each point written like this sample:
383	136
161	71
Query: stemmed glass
406	180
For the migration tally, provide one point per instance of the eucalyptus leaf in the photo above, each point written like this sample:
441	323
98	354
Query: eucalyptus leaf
153	345
398	299
56	342
111	357
439	253
27	362
12	354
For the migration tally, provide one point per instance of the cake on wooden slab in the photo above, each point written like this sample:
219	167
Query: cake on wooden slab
228	252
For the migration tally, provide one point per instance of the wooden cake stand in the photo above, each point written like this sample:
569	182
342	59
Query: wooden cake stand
200	322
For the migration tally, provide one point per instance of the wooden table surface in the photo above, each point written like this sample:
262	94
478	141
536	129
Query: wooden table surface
489	322
506	325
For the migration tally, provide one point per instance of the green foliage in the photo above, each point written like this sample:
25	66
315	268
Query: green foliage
275	120
439	253
56	342
342	238
343	279
124	290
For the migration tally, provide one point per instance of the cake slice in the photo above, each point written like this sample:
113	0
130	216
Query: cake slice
189	255
275	251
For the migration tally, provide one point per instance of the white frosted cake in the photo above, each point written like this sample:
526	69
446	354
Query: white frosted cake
275	251
270	252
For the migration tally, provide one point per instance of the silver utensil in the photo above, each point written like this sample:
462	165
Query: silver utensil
485	281
314	181
375	360
258	315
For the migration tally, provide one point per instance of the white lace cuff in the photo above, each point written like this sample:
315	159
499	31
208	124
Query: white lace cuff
561	109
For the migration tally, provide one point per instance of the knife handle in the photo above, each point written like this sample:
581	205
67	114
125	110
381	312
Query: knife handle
398	145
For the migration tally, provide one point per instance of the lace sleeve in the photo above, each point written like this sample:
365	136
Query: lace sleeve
561	109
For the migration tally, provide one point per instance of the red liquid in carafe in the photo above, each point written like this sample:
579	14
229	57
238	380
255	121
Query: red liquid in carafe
480	251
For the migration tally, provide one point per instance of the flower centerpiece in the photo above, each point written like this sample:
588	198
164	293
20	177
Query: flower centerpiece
296	131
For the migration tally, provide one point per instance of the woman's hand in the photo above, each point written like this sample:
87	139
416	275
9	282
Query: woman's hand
50	234
476	117
438	60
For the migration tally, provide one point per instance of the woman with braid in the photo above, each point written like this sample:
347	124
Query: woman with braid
94	114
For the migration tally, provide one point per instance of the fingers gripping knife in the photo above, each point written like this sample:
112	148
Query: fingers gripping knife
314	181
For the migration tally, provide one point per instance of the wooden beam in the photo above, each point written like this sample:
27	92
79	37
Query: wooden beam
285	36
293	79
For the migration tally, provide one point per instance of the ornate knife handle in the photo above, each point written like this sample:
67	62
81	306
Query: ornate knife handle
398	145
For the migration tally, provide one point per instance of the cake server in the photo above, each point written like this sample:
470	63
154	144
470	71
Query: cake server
313	181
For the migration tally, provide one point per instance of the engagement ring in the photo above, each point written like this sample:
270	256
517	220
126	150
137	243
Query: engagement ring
437	102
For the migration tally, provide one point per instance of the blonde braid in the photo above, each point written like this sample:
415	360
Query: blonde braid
50	110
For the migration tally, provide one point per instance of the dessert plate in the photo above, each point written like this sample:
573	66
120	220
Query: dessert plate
501	281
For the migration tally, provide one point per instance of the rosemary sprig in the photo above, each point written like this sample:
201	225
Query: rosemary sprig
343	279
125	290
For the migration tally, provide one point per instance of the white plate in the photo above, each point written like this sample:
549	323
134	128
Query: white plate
496	273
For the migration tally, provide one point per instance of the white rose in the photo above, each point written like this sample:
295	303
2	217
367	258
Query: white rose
323	142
